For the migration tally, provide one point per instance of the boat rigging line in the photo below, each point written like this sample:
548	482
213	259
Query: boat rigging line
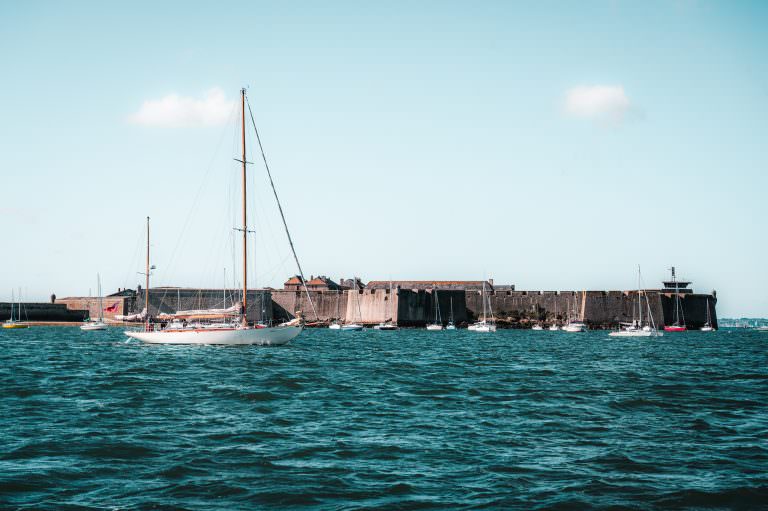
280	208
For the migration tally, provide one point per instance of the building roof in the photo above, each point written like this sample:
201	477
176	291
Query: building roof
321	281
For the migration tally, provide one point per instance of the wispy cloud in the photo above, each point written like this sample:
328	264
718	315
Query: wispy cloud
174	111
598	102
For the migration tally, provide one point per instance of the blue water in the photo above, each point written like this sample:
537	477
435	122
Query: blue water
385	420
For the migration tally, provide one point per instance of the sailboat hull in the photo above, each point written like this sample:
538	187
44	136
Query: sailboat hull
636	333
481	328
272	336
93	326
675	328
14	326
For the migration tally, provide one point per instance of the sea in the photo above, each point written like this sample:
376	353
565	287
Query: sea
400	420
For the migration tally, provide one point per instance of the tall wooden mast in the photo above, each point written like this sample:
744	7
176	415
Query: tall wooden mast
146	289
245	219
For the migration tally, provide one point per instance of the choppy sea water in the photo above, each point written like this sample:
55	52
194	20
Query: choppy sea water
385	420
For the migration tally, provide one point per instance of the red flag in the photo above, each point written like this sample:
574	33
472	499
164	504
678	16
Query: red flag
112	308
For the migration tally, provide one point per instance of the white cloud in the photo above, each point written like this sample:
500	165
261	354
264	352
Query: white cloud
598	102
173	111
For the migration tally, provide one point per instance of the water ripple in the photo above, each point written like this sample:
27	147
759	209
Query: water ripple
375	420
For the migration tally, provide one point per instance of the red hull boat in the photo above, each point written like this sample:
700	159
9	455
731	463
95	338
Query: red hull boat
675	328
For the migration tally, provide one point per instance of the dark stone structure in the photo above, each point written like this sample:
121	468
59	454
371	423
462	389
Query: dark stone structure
599	309
53	312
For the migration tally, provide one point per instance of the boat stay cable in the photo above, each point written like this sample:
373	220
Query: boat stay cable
280	208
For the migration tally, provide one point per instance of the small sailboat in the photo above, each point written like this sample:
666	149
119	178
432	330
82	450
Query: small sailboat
15	323
708	325
484	325
554	327
437	324
98	324
387	325
234	328
636	328
574	325
451	325
537	326
353	326
679	324
336	323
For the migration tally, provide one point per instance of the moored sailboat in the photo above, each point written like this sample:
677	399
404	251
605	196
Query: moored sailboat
574	325
637	328
96	324
15	323
484	325
235	330
354	326
679	324
554	327
451	325
387	325
437	324
708	325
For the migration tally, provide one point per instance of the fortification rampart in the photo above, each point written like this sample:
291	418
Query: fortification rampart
406	307
42	312
329	304
599	309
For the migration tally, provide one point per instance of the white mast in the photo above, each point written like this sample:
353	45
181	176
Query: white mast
639	300
101	302
482	296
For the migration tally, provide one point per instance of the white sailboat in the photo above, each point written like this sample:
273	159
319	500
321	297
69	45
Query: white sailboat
15	323
437	324
355	326
574	325
708	325
233	331
336	323
387	325
637	328
537	326
679	324
554	326
451	325
96	324
484	325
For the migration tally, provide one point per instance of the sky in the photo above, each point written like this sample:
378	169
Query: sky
550	145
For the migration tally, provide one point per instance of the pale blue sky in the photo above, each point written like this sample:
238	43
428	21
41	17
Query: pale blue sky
408	140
